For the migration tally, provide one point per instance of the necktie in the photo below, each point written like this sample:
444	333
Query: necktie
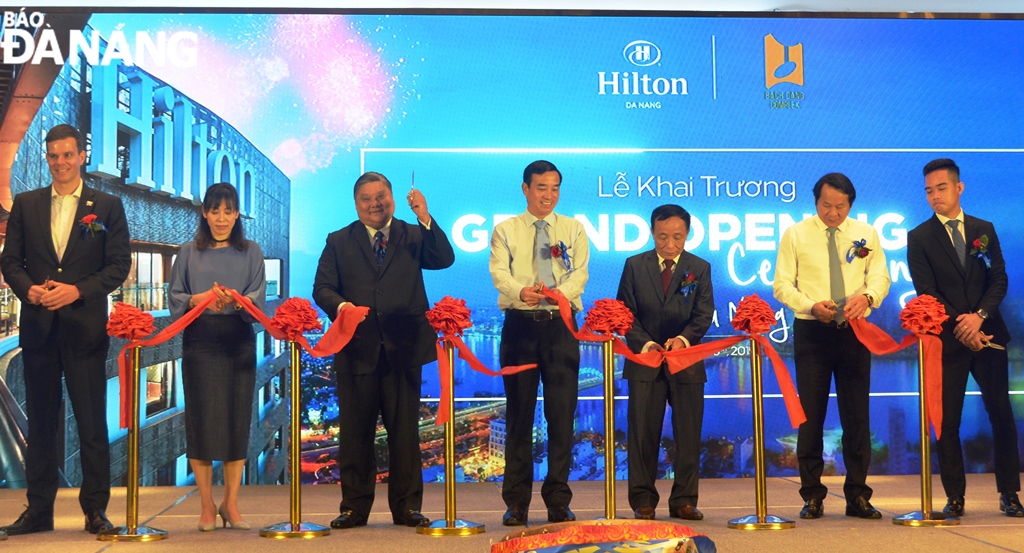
542	247
666	275
958	240
379	248
835	276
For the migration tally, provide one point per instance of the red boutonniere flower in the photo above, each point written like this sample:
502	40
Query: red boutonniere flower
859	249
561	251
295	317
979	249
923	314
609	317
753	315
688	284
90	225
449	316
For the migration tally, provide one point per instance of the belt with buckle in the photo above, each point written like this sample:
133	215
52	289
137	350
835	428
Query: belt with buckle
534	314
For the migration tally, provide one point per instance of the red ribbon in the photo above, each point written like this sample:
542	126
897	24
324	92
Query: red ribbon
750	317
333	341
921	316
450	317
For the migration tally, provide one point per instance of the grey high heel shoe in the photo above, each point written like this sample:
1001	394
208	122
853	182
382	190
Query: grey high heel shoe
234	524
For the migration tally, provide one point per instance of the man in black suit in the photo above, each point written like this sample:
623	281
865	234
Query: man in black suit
670	294
62	271
377	262
957	259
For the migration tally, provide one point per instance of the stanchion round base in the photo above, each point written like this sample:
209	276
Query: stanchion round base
771	522
458	527
917	518
139	533
283	530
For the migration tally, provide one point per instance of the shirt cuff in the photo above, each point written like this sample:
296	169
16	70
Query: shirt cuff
686	343
341	306
647	347
427	224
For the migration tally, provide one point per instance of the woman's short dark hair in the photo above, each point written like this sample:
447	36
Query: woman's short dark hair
215	195
838	181
667	211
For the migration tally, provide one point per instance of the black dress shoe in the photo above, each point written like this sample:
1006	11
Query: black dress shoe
1009	503
686	512
30	522
348	519
862	508
644	513
516	515
96	521
411	518
560	513
955	506
813	508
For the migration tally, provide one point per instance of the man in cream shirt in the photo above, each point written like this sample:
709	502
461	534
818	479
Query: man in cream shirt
831	269
537	248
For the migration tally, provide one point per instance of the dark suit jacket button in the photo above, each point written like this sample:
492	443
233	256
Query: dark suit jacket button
59	270
380	314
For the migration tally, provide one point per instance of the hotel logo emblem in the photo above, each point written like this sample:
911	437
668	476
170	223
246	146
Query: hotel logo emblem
782	63
642	53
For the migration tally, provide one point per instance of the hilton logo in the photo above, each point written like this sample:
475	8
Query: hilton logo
642	53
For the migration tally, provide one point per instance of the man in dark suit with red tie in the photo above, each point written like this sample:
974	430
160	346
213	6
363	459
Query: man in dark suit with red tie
378	262
957	259
670	294
67	248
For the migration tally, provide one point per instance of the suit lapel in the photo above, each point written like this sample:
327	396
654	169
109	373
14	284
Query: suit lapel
86	205
677	276
396	237
359	235
653	268
43	217
970	234
946	244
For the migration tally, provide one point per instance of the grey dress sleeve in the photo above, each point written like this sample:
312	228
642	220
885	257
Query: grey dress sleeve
256	289
179	290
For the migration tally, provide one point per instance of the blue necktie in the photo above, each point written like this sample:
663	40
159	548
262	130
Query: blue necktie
542	247
379	248
958	240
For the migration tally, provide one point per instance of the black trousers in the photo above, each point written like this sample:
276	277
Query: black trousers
84	372
991	372
822	351
557	354
394	393
647	399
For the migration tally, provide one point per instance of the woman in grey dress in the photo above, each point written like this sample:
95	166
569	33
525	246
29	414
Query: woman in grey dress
218	363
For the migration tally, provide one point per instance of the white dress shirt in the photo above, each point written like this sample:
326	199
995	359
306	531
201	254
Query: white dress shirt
514	266
802	272
62	217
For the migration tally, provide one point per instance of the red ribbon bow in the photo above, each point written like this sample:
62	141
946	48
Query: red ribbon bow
753	316
129	325
450	317
922	317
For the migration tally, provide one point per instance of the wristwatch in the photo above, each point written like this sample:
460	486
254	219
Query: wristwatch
871	301
982	313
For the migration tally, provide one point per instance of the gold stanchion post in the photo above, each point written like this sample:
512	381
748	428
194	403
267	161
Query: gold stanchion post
761	520
924	517
609	429
295	528
131	531
450	526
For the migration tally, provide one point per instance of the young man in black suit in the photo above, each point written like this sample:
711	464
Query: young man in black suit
957	259
378	262
62	267
670	294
